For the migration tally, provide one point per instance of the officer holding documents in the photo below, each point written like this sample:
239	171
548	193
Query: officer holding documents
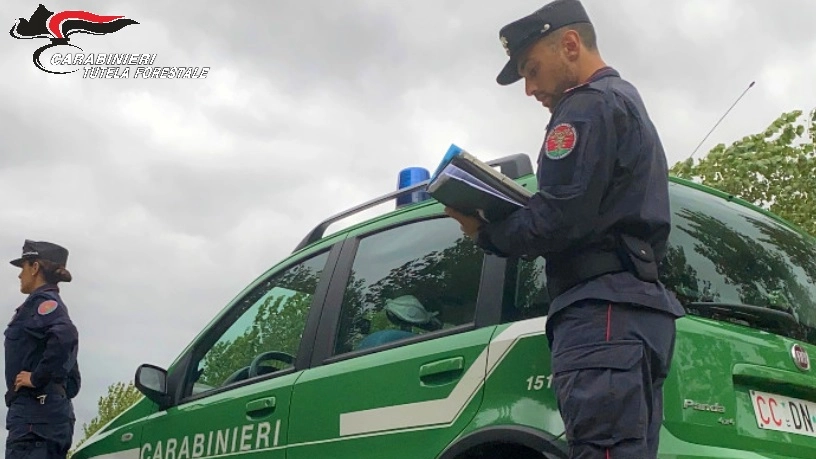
601	220
42	374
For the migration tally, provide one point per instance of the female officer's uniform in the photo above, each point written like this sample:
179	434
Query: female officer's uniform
41	339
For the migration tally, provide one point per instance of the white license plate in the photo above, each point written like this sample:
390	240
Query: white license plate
784	414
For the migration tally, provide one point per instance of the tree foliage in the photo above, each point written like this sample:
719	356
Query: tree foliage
774	169
277	325
120	397
278	308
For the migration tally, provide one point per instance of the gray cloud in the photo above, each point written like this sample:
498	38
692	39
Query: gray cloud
174	195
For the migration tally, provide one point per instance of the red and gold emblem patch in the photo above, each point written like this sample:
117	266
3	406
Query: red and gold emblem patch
47	307
560	141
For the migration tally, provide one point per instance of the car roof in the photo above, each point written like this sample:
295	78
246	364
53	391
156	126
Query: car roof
517	167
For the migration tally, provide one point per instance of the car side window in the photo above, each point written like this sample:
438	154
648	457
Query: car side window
411	280
529	297
264	330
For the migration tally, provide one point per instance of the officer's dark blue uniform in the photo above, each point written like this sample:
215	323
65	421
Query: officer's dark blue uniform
42	340
601	220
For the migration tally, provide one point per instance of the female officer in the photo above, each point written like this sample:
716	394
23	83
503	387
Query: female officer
41	346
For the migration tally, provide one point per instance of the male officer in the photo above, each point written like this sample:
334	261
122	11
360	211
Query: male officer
601	220
41	347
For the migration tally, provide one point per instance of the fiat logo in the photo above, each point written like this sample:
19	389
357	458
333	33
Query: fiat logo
800	357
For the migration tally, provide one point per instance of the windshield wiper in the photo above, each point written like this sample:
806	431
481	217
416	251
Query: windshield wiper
748	312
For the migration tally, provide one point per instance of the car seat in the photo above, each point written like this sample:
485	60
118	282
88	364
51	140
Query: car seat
406	312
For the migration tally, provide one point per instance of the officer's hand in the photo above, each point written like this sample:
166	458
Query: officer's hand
470	225
23	380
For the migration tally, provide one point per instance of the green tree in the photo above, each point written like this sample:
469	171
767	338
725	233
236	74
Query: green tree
774	169
120	397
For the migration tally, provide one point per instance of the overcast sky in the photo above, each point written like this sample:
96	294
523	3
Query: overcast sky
172	195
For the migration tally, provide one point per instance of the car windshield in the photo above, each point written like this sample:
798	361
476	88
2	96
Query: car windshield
722	252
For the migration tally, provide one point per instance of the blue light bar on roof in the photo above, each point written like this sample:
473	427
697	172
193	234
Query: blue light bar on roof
408	177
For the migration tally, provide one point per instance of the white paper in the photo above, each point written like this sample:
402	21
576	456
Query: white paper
458	174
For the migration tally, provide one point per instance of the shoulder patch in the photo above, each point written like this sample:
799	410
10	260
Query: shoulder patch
560	141
47	307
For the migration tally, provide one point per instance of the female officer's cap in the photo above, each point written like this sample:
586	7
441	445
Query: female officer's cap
42	251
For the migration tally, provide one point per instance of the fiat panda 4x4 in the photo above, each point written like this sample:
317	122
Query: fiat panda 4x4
398	338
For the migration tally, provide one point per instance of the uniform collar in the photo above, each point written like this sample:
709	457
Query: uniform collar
45	288
602	72
41	289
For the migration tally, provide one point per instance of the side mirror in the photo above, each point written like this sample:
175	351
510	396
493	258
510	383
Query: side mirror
152	382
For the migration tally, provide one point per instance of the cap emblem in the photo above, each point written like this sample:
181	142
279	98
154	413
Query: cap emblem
503	40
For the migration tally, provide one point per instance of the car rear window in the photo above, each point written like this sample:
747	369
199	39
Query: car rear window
723	252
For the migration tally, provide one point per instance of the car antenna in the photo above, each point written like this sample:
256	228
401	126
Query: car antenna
721	118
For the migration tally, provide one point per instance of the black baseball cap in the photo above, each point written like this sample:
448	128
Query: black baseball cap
517	36
40	250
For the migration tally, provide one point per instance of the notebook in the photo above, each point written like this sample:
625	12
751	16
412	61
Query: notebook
467	184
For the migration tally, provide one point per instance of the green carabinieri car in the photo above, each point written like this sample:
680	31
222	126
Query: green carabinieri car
399	338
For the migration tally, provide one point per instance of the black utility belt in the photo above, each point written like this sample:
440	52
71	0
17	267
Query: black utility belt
41	396
632	255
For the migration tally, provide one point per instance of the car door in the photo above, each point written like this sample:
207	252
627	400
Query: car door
237	382
400	360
